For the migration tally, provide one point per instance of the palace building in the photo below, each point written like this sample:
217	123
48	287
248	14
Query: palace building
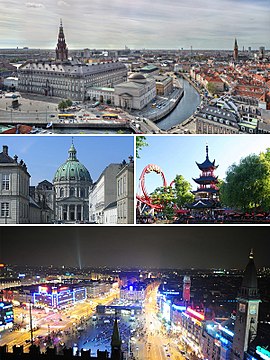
67	78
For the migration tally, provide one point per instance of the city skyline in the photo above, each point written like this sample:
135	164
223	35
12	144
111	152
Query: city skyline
185	247
184	151
43	156
174	24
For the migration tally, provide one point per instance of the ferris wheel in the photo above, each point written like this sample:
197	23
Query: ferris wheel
142	194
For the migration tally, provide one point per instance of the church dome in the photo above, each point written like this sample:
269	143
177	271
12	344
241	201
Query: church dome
137	77
72	169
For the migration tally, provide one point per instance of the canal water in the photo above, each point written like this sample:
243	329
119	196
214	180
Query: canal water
185	108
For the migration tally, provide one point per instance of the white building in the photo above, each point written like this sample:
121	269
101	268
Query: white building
11	82
103	193
14	191
125	194
110	213
136	93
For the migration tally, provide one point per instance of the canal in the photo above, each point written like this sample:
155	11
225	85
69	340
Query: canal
184	109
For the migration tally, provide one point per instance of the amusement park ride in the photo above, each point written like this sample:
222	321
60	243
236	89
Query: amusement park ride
144	199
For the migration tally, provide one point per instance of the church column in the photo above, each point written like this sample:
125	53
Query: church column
76	212
82	212
67	212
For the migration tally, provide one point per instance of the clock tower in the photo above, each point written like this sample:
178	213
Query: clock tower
246	322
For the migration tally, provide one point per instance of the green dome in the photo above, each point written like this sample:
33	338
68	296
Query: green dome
72	169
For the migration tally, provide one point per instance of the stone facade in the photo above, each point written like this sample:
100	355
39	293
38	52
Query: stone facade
68	79
125	194
103	193
136	93
14	195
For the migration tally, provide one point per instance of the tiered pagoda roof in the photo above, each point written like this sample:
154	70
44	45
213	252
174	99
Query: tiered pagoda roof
207	189
207	165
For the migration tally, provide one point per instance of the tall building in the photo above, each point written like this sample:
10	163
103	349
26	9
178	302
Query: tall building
206	195
248	301
68	78
125	193
61	47
14	189
186	289
72	182
235	51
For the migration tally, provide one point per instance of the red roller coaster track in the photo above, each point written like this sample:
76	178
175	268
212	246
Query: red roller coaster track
144	197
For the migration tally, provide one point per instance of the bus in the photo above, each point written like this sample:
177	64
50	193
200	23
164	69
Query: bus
109	116
66	116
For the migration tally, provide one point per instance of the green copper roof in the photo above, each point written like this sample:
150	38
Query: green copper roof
72	169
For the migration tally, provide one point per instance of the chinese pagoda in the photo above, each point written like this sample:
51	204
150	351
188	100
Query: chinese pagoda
206	195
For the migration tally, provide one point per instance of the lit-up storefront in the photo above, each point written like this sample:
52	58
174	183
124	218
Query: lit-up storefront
58	297
6	315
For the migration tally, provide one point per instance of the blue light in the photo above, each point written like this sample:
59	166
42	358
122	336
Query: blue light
230	333
179	307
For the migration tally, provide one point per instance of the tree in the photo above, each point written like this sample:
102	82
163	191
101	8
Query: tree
140	143
164	196
62	105
211	88
247	185
168	196
182	191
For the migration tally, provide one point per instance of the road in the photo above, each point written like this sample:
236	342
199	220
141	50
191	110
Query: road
155	344
62	320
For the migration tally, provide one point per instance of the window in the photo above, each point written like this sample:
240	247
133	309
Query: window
5	182
72	191
62	192
4	209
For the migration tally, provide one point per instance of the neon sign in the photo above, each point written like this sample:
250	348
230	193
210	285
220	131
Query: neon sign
195	313
265	354
226	331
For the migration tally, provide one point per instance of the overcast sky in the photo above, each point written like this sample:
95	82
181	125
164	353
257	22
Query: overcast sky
140	246
204	24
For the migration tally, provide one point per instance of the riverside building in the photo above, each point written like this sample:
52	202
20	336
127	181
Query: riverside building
65	77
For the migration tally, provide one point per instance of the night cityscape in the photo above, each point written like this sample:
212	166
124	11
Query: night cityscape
134	180
127	298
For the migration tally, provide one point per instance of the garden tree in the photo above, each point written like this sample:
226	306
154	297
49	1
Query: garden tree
64	104
211	88
164	196
140	143
247	185
182	191
178	194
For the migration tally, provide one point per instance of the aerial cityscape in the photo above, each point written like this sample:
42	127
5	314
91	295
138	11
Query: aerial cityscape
203	80
167	302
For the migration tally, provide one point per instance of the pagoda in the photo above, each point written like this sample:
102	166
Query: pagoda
206	195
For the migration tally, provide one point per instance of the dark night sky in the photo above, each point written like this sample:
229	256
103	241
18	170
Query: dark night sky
153	246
